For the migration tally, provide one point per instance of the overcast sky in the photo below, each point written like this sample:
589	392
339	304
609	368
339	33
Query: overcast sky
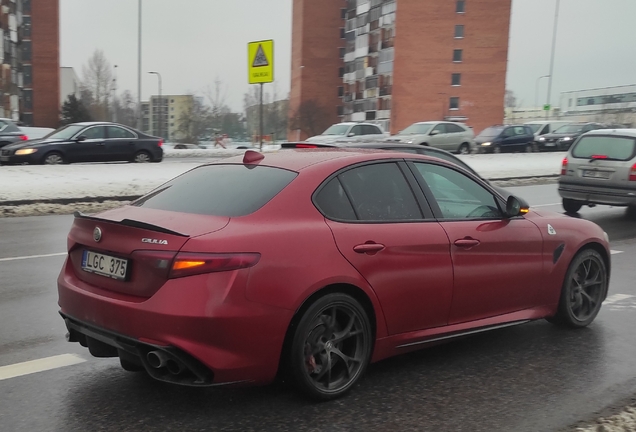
192	42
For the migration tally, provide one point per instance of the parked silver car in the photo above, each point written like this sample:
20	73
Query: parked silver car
349	131
600	168
452	137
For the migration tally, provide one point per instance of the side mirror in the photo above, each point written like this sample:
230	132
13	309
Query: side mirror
435	132
516	207
80	138
351	134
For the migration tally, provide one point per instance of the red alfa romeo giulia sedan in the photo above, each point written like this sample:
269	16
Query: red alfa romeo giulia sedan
316	263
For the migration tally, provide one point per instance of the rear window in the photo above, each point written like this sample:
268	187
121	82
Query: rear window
219	190
615	148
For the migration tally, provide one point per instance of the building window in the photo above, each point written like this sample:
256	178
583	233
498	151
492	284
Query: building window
454	103
343	13
341	72
342	52
342	33
340	91
461	6
459	31
457	55
27	98
26	51
27	76
456	79
340	110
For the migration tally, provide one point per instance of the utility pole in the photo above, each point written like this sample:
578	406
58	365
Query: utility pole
260	132
115	95
139	111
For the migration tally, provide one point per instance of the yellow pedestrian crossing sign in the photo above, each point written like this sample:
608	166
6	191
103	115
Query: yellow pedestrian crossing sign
260	62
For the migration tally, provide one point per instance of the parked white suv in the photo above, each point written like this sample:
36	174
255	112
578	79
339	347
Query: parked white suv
600	168
452	137
350	131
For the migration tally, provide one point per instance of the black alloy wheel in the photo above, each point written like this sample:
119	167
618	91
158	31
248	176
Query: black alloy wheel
331	347
53	158
496	149
464	148
142	157
583	291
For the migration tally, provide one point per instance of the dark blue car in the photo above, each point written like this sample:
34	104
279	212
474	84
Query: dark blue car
500	138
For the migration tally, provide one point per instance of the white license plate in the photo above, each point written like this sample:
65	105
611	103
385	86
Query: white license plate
596	174
550	144
104	265
4	158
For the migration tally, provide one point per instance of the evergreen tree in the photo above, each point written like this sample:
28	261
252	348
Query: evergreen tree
74	111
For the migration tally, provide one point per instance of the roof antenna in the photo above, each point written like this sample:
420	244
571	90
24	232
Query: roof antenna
252	157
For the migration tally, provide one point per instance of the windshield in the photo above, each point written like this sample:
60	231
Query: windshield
615	148
417	129
571	128
534	127
490	132
189	193
336	130
66	132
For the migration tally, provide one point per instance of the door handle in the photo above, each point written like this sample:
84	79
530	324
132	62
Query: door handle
368	248
467	242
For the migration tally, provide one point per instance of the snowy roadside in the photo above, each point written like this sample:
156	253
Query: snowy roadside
42	187
623	421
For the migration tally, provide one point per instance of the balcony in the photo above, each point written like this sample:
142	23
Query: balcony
386	90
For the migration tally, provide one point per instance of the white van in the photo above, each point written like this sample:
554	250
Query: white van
542	127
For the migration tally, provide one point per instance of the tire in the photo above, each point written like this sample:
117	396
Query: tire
142	157
496	149
464	149
631	212
584	289
323	347
529	148
571	206
53	158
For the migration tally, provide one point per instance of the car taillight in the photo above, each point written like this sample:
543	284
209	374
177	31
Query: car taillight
306	146
24	138
564	166
160	143
632	173
158	262
188	264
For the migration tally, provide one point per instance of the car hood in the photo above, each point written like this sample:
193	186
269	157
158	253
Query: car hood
31	144
482	139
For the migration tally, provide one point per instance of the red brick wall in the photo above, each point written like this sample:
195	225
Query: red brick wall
45	36
424	45
315	57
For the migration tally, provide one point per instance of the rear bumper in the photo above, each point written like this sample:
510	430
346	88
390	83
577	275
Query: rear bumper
204	318
596	195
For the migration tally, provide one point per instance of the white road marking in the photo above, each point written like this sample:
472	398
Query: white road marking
40	365
615	298
545	205
32	257
614	252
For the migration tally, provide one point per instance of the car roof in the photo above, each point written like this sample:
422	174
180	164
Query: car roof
619	132
300	159
93	123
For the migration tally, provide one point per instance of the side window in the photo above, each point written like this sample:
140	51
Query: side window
97	132
440	128
356	130
333	202
453	128
3	125
369	130
117	132
458	196
508	133
545	130
380	192
588	128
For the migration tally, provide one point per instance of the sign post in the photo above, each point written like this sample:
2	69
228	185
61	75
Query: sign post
260	66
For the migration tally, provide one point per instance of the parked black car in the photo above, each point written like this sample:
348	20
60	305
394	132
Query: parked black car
10	133
500	138
564	137
86	142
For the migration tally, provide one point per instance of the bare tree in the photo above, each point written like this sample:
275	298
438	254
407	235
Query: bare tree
510	100
194	122
310	118
98	80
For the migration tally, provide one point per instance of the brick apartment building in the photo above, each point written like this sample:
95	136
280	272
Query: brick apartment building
29	62
396	62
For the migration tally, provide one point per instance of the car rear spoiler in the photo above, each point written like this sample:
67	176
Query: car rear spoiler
131	223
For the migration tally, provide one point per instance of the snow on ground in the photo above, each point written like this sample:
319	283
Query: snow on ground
37	182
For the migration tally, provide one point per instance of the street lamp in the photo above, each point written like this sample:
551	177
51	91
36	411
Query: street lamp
554	35
160	102
115	94
536	90
139	111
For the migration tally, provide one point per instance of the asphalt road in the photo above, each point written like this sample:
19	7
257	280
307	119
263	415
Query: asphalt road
534	377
